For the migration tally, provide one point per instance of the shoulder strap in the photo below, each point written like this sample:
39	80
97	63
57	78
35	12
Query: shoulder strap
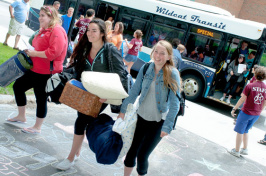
109	57
146	66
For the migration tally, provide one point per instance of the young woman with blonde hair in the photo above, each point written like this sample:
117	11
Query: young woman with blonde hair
158	106
108	25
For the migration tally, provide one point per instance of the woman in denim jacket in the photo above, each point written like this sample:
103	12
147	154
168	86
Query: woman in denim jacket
158	106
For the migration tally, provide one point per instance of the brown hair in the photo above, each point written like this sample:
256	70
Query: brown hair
169	82
52	13
138	34
84	46
121	27
260	73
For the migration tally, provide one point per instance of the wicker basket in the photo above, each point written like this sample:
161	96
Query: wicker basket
81	100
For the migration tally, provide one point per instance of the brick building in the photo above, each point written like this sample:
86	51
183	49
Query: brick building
254	10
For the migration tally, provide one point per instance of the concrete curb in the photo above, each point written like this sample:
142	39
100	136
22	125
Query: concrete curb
10	99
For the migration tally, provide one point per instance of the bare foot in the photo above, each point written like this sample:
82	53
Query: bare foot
17	119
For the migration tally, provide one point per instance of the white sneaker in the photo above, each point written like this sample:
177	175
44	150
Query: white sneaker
235	153
76	158
227	101
65	164
244	151
222	99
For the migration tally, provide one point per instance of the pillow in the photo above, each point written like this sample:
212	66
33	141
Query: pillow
113	102
104	85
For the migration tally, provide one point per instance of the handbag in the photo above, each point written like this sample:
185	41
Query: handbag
14	68
56	83
126	128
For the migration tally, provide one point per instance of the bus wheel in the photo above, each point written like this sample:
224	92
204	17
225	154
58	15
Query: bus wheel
192	86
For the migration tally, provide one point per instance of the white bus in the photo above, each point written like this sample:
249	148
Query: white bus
197	26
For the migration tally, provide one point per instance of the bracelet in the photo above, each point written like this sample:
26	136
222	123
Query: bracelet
233	109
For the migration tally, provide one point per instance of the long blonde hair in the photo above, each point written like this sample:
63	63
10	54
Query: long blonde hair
169	82
108	25
52	13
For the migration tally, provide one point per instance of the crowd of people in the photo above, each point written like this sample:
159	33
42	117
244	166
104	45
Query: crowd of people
158	103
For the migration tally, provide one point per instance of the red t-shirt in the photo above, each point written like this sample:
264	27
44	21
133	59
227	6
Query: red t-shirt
253	79
256	95
137	44
54	42
82	25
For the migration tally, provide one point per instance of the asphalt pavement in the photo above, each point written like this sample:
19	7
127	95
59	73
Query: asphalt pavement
182	153
198	147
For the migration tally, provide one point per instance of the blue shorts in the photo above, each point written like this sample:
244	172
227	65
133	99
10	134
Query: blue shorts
131	58
244	122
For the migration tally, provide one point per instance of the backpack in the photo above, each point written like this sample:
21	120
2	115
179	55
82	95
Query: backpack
181	98
56	83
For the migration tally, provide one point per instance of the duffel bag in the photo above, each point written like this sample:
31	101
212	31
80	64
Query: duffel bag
14	68
103	141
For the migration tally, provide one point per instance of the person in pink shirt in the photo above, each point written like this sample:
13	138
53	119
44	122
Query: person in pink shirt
134	48
253	97
50	47
84	23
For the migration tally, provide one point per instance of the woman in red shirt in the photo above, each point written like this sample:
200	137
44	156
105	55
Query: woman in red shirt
134	48
50	44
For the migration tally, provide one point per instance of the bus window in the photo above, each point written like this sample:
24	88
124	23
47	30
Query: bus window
131	24
202	45
263	59
105	11
133	20
237	46
135	13
159	32
170	22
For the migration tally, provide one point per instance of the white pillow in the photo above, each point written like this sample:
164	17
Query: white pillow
104	85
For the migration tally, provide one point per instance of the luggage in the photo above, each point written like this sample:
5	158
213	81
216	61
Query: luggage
14	68
103	141
76	96
55	85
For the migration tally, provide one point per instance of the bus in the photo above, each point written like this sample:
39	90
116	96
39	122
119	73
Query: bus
198	26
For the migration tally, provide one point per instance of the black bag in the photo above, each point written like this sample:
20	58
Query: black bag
181	99
74	33
56	83
125	82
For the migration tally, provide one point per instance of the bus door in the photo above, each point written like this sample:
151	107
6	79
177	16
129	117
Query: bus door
107	11
233	48
199	63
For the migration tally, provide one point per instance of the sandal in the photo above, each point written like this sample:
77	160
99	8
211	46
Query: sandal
5	44
31	131
262	142
16	48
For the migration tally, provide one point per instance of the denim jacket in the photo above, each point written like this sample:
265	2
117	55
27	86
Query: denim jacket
168	108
